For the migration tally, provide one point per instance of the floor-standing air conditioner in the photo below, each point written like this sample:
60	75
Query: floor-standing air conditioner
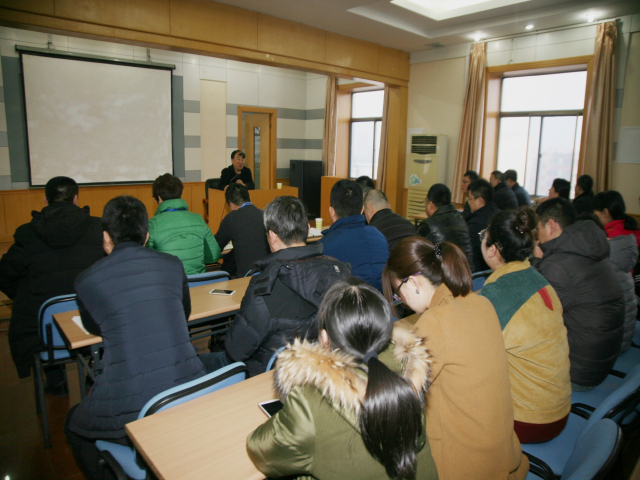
423	162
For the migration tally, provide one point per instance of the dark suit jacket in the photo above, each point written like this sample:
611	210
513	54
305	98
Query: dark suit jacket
228	176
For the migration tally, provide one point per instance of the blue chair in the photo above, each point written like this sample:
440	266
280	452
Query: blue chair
593	456
636	334
55	353
479	278
272	360
206	278
627	360
123	459
618	406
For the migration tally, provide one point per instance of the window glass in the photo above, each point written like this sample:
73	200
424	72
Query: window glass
513	143
362	148
556	151
536	93
367	104
530	176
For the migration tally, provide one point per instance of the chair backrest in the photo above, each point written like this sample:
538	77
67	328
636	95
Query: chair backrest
60	304
272	360
620	403
223	377
206	278
595	452
479	278
210	183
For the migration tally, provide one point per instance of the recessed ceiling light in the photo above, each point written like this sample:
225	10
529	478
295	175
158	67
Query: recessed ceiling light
590	18
529	27
477	38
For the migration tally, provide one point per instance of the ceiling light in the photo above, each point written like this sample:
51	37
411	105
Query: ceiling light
591	18
529	27
477	38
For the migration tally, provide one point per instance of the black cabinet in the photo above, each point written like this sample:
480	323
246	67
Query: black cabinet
305	175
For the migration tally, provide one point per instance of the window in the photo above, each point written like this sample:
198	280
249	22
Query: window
541	127
366	125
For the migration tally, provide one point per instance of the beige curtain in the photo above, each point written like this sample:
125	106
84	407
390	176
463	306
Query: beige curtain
470	141
330	128
381	182
596	148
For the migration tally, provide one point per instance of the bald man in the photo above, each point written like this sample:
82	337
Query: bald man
379	214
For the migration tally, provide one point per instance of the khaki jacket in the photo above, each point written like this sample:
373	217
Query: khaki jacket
469	408
317	432
535	340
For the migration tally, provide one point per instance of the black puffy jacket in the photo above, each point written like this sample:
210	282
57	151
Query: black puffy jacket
582	203
447	224
577	265
49	252
138	300
478	221
392	226
281	303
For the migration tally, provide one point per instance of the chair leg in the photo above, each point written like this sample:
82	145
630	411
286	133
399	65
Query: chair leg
81	377
41	403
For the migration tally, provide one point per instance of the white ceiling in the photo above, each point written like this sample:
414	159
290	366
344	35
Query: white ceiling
387	23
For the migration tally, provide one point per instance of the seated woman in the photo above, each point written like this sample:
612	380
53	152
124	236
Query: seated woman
535	337
469	408
609	207
349	413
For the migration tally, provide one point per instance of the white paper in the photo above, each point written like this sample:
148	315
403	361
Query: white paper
314	232
629	146
78	321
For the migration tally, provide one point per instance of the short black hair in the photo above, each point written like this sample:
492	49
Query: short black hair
562	187
439	194
472	174
497	174
60	189
585	182
560	209
167	187
482	189
125	219
613	201
237	194
288	218
346	198
366	183
233	154
511	175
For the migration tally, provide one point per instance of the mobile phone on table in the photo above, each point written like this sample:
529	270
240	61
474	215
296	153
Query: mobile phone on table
215	291
271	407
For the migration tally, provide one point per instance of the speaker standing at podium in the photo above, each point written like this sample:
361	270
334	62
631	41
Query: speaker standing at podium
236	172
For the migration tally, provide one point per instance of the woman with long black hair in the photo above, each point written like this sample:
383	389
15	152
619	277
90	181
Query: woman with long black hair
353	402
469	409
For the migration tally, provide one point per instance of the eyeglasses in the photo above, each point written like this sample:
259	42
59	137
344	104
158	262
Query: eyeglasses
396	297
482	234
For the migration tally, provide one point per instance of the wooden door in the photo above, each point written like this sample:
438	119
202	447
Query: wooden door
257	131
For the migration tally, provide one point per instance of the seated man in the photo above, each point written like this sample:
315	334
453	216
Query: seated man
523	197
138	300
574	258
584	195
349	239
49	252
445	223
378	213
482	209
175	230
244	226
467	178
281	302
503	196
237	172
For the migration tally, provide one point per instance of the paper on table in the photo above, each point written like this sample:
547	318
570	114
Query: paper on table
314	232
78	321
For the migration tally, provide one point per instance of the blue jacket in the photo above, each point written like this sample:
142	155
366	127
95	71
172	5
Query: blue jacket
364	247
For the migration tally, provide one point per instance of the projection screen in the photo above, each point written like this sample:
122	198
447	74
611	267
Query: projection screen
96	122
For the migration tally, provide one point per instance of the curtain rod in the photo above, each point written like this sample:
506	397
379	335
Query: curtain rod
546	30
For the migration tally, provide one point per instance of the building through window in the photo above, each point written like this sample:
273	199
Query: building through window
366	125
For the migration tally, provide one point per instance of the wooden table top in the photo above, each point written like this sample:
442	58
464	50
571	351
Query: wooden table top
203	305
205	438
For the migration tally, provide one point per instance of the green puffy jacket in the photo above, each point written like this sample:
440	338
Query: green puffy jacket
175	230
317	433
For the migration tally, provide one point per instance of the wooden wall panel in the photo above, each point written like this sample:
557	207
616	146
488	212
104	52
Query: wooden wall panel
393	63
18	206
343	134
44	7
326	184
291	39
396	147
145	15
3	223
214	22
349	52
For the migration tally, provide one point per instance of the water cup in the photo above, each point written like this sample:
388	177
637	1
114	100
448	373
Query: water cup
319	223
279	186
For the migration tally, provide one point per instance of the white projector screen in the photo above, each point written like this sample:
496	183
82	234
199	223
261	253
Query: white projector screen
96	122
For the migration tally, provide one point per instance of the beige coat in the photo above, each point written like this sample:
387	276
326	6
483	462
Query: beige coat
469	407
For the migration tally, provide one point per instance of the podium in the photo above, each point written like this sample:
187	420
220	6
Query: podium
218	208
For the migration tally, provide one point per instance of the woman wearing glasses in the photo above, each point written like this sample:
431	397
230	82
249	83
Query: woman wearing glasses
469	408
535	337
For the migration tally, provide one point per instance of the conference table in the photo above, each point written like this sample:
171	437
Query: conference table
206	437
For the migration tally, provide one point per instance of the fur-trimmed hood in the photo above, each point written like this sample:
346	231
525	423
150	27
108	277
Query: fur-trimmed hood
339	377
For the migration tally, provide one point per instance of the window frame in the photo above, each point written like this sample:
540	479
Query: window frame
493	96
367	119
